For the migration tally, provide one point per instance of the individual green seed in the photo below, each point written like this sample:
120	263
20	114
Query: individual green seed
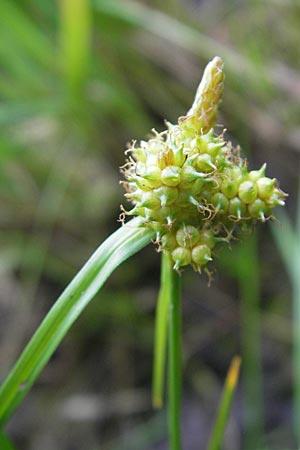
140	154
214	148
135	196
189	175
276	199
157	215
265	187
168	242
247	191
197	186
258	209
152	176
140	183
202	143
201	254
201	207
229	188
187	236
207	237
181	256
195	145
166	194
220	202
179	157
236	208
149	200
170	175
254	175
137	211
183	199
204	163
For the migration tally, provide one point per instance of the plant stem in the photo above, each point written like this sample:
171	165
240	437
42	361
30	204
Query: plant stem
160	335
251	342
225	404
174	359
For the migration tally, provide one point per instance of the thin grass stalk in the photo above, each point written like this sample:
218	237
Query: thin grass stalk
160	336
225	405
174	358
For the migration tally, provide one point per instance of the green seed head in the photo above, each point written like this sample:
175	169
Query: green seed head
192	187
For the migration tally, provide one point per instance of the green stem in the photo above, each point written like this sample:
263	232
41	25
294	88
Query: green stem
174	375
160	335
251	341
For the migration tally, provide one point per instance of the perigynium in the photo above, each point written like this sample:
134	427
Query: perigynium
192	186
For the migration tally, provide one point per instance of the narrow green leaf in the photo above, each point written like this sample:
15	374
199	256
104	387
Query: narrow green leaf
160	336
288	242
75	23
285	239
117	248
225	405
5	443
27	35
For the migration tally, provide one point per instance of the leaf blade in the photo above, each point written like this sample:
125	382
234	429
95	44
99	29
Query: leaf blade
117	248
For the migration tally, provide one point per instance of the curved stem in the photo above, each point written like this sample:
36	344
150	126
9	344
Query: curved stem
174	366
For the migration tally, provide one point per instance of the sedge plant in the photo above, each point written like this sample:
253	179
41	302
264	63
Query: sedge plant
190	190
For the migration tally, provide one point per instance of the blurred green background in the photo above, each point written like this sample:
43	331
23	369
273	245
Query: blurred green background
78	80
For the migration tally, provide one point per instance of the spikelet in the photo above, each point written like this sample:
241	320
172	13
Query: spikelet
192	187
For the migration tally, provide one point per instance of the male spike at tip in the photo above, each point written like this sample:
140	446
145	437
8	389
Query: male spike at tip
203	113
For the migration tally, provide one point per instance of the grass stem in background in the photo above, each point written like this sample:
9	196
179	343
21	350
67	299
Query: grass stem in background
75	23
296	325
160	335
174	356
288	243
225	404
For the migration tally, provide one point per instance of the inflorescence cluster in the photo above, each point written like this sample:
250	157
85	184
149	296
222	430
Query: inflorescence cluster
192	187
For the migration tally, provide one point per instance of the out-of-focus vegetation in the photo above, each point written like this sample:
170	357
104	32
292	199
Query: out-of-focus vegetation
78	80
